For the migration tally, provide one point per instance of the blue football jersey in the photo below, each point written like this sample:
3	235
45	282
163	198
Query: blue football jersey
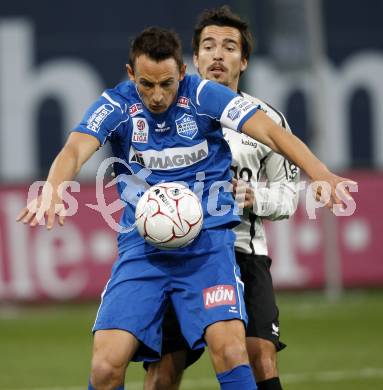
183	144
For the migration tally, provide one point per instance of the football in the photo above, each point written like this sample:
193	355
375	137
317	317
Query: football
169	216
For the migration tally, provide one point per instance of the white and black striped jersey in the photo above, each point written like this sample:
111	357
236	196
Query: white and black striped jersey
274	179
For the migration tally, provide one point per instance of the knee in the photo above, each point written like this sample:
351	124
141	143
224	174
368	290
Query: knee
105	375
227	344
231	354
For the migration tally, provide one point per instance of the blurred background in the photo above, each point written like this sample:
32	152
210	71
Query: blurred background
319	62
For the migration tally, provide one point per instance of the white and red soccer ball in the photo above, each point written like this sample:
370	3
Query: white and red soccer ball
169	216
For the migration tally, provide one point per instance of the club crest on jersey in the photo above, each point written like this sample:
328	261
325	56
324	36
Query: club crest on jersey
135	109
140	130
95	120
234	113
218	296
183	102
186	126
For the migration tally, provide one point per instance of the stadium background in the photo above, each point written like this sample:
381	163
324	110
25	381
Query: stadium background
322	69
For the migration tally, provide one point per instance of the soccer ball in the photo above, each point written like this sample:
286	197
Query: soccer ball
169	215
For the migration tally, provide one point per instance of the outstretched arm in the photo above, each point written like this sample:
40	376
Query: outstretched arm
77	150
260	127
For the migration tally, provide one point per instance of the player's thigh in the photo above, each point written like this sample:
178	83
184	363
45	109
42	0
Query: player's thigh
209	288
134	300
114	347
225	332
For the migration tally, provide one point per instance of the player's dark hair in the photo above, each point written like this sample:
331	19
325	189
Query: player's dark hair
158	44
223	17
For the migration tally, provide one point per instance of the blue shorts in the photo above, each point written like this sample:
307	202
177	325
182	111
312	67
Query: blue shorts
202	281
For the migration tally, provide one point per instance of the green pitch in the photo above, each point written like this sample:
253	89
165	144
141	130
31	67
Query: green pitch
330	346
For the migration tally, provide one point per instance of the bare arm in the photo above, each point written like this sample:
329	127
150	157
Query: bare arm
263	129
77	150
279	199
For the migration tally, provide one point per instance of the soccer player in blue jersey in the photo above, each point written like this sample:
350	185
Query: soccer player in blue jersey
144	278
222	45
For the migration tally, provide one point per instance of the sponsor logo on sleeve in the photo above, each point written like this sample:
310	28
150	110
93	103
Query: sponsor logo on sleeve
135	109
186	126
95	120
183	102
218	296
140	130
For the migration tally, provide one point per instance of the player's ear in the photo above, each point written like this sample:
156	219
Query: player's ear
183	71
130	72
243	64
195	60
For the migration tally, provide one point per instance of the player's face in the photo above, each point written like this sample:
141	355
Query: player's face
157	82
219	56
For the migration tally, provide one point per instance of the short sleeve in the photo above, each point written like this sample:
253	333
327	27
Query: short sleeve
224	105
102	118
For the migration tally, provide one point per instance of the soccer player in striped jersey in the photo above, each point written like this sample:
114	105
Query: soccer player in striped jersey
222	44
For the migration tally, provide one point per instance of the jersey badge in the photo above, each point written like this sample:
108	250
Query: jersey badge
140	130
135	109
186	126
183	102
234	113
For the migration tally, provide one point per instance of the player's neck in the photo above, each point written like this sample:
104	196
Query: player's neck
234	86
